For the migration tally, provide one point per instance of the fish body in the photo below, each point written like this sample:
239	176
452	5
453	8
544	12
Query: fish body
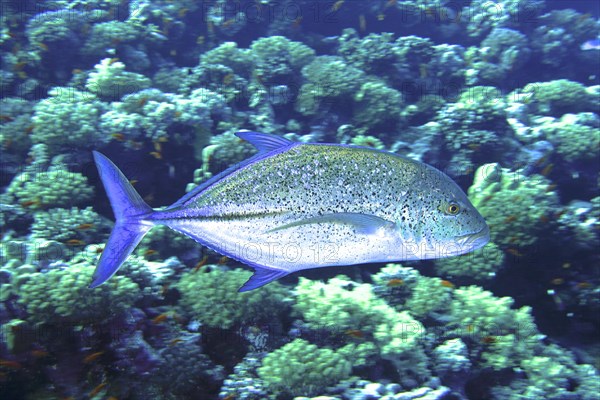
296	206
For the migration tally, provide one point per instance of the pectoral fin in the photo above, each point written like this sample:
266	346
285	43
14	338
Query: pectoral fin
363	223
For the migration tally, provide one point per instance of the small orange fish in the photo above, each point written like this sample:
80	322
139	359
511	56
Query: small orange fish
510	218
227	79
42	46
200	264
133	182
112	398
223	260
175	341
10	364
37	353
160	318
395	282
544	219
85	227
355	333
76	71
447	284
29	129
112	61
143	101
560	213
551	187
22	75
390	3
97	389
177	114
19	66
75	242
547	169
380	17
583	285
99	250
157	146
119	137
30	203
514	252
229	397
337	5
156	155
150	252
228	23
557	281
470	328
297	22
92	357
6	118
164	139
182	12
489	340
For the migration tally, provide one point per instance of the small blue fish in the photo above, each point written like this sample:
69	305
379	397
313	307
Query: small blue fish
296	206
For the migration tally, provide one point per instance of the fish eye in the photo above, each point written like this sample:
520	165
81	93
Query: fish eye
452	209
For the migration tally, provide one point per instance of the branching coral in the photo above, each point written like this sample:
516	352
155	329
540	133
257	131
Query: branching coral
482	264
514	205
66	120
110	81
301	368
63	295
344	306
55	187
211	285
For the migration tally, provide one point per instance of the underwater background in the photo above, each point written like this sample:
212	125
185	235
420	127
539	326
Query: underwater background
503	96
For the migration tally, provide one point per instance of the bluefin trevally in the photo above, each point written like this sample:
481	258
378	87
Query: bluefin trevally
295	206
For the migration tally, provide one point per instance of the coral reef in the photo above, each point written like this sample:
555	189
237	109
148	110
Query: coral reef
301	368
211	285
502	96
62	295
514	205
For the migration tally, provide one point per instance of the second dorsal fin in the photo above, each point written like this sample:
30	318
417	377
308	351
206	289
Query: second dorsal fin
264	142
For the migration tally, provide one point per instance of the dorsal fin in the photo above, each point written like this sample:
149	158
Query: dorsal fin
264	142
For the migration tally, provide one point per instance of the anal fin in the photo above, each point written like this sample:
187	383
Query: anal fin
261	277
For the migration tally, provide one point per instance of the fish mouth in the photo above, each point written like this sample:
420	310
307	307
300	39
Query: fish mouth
475	240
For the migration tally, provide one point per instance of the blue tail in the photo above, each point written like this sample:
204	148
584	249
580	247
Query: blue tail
130	211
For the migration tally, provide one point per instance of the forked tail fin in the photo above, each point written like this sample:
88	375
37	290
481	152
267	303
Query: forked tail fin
130	211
